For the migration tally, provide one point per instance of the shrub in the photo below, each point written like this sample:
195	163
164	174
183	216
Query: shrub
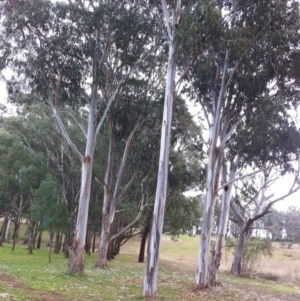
255	249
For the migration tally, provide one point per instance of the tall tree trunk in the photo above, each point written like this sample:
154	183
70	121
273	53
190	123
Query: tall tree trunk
50	247
57	242
3	229
6	238
111	198
236	267
207	223
144	235
222	230
117	245
31	237
149	289
110	251
212	182
94	241
15	234
76	262
66	244
88	242
39	241
50	239
104	241
27	234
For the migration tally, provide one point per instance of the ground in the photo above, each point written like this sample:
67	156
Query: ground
11	283
25	277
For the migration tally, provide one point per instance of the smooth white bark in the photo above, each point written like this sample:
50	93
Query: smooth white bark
224	215
149	289
212	183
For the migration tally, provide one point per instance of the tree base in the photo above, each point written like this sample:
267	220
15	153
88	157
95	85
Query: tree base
101	265
76	262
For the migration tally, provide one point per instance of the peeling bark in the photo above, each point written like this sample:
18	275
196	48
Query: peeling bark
76	262
222	230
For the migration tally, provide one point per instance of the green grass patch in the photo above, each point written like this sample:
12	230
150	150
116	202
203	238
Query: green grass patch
34	278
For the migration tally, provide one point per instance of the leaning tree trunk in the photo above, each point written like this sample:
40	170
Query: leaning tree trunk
149	289
222	230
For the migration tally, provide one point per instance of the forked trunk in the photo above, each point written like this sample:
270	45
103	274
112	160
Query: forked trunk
207	225
212	182
222	230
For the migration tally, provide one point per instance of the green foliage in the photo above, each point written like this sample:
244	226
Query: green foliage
255	249
182	213
48	209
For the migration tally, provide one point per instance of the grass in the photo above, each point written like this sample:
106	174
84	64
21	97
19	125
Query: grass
31	277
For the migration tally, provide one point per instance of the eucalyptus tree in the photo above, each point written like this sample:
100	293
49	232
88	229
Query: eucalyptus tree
274	222
291	224
130	127
48	208
75	53
249	54
247	213
273	150
149	289
21	174
40	136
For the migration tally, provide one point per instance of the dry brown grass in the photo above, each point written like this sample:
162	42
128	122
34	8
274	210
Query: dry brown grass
284	264
181	255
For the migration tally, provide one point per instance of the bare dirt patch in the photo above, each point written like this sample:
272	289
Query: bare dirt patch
11	283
